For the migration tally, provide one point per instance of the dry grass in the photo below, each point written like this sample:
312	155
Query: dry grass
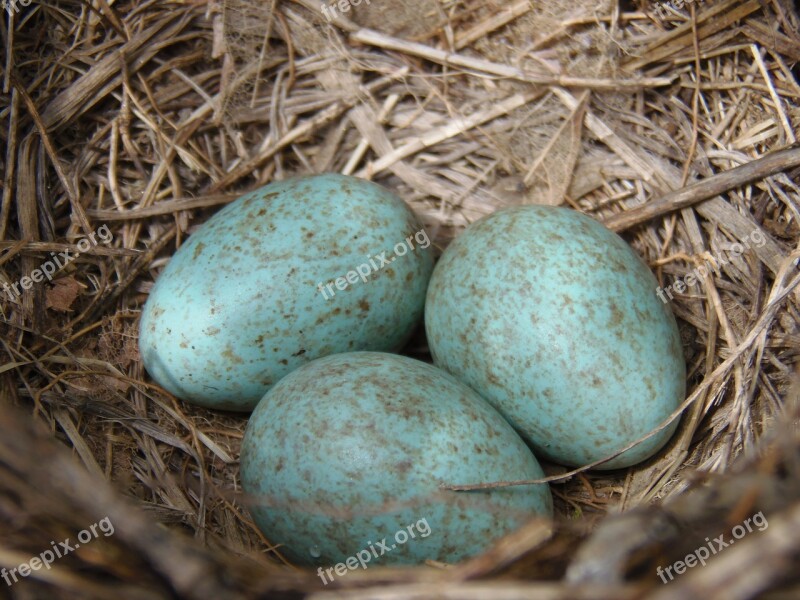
146	117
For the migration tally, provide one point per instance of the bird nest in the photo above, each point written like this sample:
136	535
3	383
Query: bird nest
126	125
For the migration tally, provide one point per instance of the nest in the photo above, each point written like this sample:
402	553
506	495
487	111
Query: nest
674	124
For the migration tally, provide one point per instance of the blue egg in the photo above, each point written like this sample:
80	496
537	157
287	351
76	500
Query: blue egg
293	271
555	321
350	452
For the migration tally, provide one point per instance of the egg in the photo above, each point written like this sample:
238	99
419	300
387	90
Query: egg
349	450
555	321
293	271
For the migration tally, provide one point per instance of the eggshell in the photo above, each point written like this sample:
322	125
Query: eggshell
270	282
353	448
555	321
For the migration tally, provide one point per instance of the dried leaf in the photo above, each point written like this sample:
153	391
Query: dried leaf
62	293
550	175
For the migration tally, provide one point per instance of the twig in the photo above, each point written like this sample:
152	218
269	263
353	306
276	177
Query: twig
52	153
175	205
503	17
443	57
28	246
610	138
717	18
453	128
766	166
497	590
306	127
773	94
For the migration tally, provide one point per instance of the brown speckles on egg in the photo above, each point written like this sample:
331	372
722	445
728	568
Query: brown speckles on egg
364	442
567	330
257	270
229	354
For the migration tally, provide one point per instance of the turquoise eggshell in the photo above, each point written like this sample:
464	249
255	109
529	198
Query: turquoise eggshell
251	295
555	321
350	449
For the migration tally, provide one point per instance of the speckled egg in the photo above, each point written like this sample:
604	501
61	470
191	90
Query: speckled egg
555	321
349	450
290	272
